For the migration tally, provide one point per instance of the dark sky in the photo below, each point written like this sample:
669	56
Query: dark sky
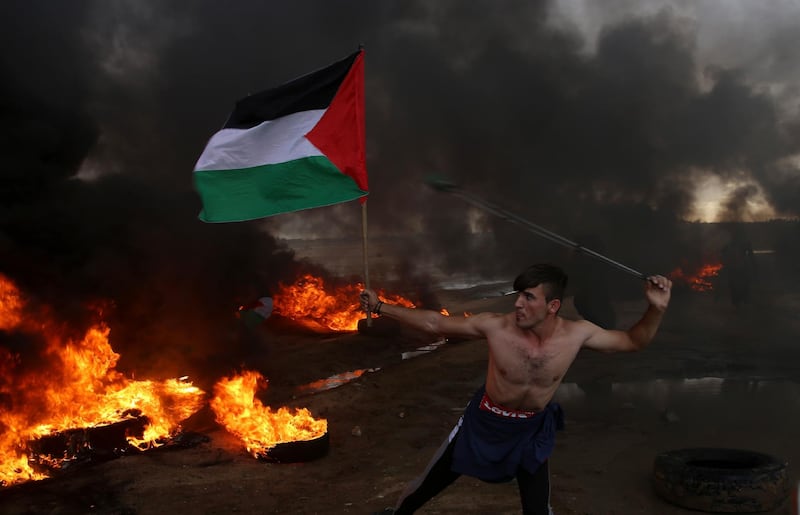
600	125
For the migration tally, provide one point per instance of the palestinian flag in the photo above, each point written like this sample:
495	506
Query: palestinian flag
253	315
297	146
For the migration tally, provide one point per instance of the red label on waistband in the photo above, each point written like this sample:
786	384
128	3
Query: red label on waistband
487	405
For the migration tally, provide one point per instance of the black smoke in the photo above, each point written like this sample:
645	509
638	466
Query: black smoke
107	105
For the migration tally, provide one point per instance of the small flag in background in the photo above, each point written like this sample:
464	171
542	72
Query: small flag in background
253	315
298	146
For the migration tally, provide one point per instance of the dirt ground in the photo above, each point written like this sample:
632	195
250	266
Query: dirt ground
714	377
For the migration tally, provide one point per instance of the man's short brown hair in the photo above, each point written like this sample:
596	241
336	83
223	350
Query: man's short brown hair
551	277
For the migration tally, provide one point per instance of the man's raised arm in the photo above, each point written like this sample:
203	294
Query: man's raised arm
657	291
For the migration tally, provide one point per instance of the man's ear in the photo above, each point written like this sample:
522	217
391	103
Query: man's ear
555	304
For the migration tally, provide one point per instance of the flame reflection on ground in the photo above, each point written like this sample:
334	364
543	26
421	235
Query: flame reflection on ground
334	381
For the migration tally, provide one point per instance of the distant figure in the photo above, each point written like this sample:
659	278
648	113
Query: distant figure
256	313
738	266
592	297
508	429
252	317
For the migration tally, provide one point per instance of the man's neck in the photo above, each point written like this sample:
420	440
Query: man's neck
545	328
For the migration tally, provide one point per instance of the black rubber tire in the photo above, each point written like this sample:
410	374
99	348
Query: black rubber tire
719	480
301	450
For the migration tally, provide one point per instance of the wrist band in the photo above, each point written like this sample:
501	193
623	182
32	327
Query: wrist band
377	309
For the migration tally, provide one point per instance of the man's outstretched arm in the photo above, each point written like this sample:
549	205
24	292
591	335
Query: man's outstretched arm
427	320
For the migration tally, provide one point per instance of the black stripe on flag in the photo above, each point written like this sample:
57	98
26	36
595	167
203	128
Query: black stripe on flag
312	91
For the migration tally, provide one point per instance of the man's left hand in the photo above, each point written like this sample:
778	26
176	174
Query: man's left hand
657	291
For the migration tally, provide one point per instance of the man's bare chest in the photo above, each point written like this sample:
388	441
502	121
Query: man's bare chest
521	361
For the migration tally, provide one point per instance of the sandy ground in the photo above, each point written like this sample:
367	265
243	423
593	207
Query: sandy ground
714	376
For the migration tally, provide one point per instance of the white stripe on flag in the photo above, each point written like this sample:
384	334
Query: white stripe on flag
271	142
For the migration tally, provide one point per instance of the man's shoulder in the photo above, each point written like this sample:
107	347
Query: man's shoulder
490	314
492	320
577	330
493	317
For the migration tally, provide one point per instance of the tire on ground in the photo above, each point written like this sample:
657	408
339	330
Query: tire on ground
721	480
297	451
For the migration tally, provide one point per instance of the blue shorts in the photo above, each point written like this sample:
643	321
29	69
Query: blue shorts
493	442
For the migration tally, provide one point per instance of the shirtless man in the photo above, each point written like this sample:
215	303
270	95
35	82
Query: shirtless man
508	429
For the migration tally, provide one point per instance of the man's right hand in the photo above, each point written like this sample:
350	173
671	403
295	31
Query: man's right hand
369	299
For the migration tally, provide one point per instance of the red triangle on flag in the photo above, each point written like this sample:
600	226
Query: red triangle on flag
340	133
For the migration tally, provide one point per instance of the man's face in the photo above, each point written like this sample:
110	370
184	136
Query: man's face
532	308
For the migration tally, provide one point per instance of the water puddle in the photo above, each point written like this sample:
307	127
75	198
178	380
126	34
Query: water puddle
425	349
334	381
668	394
343	378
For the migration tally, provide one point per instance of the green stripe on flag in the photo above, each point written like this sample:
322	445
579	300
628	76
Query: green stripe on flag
250	193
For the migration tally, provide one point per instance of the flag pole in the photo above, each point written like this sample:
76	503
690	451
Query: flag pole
365	253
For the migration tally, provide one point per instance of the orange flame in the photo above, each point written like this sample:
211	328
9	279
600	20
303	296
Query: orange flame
10	304
700	280
260	428
78	388
309	302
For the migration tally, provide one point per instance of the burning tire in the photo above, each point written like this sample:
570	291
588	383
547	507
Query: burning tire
721	480
301	450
